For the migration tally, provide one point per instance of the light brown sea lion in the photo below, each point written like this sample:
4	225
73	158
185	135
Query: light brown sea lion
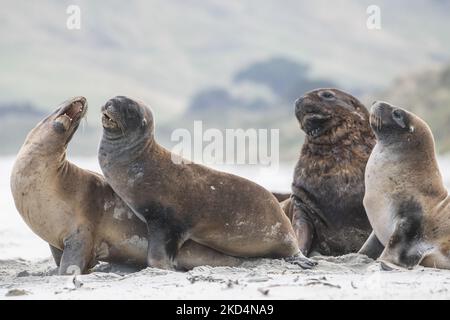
181	201
406	200
326	208
75	210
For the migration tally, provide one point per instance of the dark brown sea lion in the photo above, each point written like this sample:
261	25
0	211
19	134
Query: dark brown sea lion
326	208
181	201
75	210
406	200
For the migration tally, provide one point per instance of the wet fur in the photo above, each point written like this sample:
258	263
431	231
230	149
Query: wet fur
329	177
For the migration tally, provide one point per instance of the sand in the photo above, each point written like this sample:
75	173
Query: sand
28	272
347	277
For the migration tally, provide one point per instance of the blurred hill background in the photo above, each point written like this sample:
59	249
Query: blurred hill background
232	64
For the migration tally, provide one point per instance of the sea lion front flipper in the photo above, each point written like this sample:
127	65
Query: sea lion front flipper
163	246
372	247
402	249
57	254
77	253
304	229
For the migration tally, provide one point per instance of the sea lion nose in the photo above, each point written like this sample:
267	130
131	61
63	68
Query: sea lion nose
81	100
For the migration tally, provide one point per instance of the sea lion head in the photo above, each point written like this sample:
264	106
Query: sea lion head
394	125
123	117
327	115
61	125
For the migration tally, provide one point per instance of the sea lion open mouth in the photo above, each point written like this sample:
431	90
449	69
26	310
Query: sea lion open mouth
108	121
72	113
314	124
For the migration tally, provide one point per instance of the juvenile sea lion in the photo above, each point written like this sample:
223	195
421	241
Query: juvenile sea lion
181	201
326	208
75	210
406	200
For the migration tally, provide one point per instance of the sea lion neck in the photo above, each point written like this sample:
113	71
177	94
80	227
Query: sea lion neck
416	169
124	147
40	152
341	149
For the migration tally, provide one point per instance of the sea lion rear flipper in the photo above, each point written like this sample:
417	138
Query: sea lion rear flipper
372	247
77	253
57	254
302	261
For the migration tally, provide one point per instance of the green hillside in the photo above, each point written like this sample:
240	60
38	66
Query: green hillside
427	94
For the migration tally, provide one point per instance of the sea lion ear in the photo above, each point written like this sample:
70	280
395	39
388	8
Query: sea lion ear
144	123
399	118
400	122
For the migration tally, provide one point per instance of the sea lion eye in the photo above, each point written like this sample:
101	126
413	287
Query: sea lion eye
297	202
327	95
397	114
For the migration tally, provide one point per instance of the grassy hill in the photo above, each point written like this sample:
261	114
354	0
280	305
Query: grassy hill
247	59
427	94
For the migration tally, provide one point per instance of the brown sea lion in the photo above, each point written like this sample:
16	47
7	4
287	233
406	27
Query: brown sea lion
326	208
406	201
181	201
75	210
281	196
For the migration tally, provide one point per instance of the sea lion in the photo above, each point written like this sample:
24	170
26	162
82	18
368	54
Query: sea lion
75	210
281	196
326	207
406	201
182	201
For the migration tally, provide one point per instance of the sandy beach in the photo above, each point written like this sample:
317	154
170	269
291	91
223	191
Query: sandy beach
346	277
28	272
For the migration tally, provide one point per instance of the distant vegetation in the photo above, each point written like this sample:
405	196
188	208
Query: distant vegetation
19	109
285	79
427	94
277	83
17	119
